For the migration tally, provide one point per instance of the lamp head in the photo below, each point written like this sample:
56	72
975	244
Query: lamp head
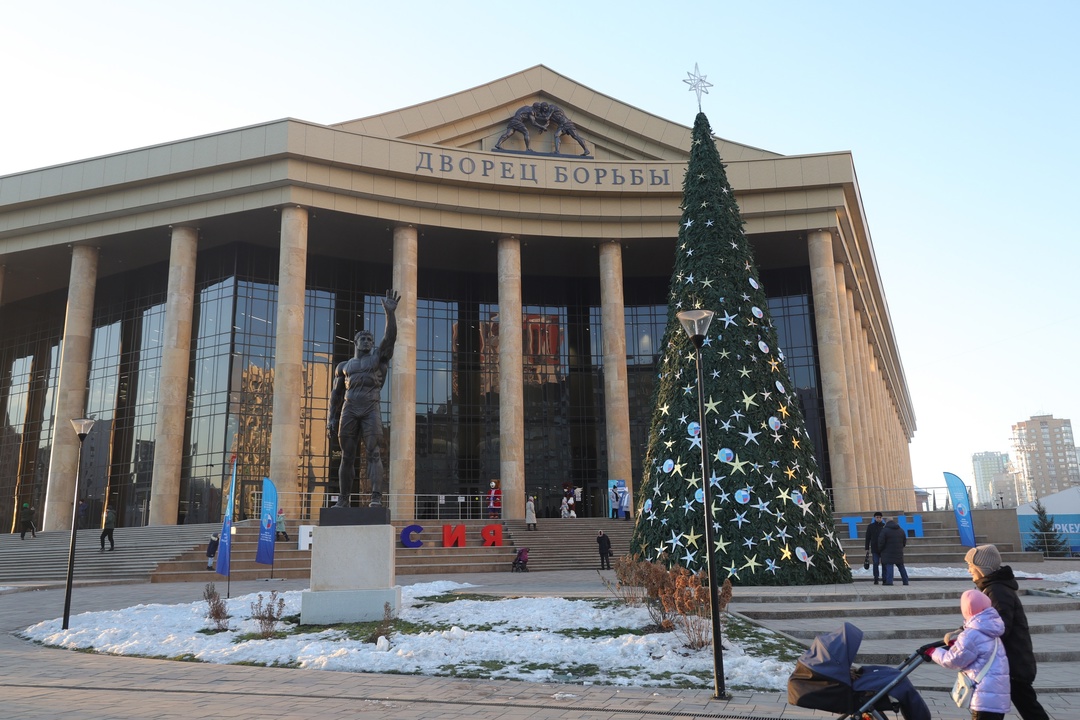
82	427
696	324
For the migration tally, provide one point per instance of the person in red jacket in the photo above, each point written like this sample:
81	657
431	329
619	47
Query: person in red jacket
494	501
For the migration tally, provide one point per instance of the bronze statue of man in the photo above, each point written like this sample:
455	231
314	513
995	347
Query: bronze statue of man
355	414
517	123
564	126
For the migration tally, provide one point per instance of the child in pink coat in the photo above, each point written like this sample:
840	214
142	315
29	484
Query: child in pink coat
978	641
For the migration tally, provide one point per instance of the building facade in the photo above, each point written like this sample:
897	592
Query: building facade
194	297
1045	456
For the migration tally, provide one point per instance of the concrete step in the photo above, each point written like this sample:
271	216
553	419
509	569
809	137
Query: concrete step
138	551
569	544
896	621
899	605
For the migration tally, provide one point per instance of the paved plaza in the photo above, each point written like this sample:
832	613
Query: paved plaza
41	682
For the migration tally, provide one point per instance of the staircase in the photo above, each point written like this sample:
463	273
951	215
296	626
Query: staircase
569	544
138	552
897	620
177	553
938	546
190	565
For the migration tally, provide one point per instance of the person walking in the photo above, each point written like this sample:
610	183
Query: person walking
891	544
84	514
107	531
873	530
613	498
211	551
603	543
624	502
530	514
998	583
279	527
977	652
26	522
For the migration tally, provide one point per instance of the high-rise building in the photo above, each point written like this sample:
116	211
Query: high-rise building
990	472
1045	456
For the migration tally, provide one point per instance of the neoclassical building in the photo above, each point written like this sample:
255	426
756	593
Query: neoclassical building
194	298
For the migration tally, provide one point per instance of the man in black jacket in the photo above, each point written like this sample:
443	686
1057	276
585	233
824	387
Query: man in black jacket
872	532
603	543
890	544
999	584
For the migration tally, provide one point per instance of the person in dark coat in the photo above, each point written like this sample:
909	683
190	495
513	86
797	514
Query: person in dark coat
998	583
603	543
107	531
211	551
26	522
873	530
891	544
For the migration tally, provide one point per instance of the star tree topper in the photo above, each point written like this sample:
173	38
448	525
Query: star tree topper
697	84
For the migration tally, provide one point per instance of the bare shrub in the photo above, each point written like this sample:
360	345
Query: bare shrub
268	615
385	626
688	601
641	582
217	610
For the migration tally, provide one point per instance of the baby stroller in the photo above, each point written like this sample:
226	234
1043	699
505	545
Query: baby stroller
521	561
825	679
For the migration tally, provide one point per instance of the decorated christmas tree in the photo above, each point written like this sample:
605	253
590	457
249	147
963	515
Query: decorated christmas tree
771	517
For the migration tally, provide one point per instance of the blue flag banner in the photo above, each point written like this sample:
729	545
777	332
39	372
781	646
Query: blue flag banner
267	524
959	495
225	542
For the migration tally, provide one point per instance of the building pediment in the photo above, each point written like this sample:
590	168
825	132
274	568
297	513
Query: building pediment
475	119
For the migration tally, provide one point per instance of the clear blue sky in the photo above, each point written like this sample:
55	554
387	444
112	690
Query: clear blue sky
961	117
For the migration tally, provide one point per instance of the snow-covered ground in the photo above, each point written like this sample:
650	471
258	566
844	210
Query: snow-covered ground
536	639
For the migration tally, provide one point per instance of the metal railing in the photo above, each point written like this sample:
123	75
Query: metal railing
473	506
305	507
1051	545
875	498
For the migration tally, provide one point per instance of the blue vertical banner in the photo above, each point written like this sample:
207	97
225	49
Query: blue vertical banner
264	555
958	493
225	542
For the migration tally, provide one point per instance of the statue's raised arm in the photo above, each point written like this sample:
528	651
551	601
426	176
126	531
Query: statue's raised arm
389	303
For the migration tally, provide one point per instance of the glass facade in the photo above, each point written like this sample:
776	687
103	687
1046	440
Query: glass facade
29	372
230	384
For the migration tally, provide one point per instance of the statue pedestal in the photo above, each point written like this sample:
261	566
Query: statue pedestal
352	575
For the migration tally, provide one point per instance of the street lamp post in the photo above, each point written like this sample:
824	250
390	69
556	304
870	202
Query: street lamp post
82	428
696	324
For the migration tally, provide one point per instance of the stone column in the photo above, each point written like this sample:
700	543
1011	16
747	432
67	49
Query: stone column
401	483
289	359
172	388
616	398
858	480
830	344
3	269
857	389
71	390
879	432
511	382
869	413
905	468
